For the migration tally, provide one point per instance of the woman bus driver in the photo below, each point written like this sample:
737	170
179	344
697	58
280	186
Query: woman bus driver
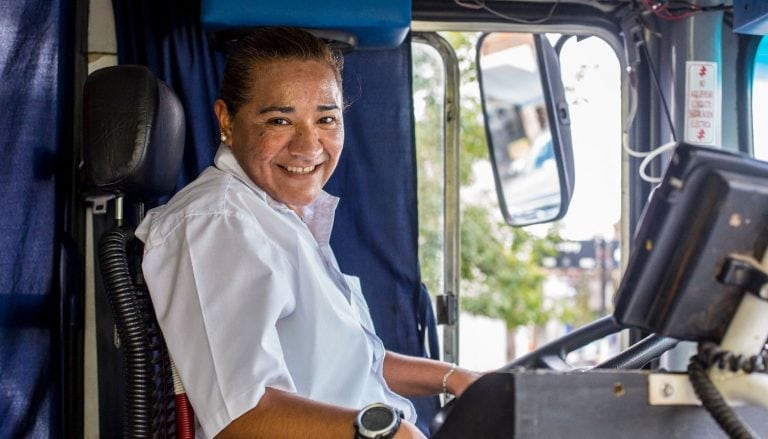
269	337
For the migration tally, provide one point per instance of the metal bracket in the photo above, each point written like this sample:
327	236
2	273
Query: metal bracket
632	29
743	271
99	202
671	389
447	309
668	389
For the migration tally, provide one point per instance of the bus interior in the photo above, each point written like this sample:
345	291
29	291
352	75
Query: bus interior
568	194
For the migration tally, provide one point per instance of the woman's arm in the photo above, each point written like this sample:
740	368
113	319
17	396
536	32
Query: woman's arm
414	376
287	415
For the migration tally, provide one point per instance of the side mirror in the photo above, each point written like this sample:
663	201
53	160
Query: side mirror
527	125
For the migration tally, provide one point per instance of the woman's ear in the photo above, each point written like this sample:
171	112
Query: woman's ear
224	118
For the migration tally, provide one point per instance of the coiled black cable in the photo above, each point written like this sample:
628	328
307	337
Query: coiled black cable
710	355
149	405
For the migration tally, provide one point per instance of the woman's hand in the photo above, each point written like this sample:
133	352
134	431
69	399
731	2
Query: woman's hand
460	380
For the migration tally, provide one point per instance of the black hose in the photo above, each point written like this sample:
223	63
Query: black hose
714	403
149	389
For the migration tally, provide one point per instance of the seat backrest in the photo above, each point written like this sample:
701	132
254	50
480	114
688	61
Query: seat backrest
133	132
133	141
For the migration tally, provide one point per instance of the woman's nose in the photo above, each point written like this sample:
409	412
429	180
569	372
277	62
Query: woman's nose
305	142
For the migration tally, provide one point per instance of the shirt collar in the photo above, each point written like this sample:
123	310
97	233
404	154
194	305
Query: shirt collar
318	215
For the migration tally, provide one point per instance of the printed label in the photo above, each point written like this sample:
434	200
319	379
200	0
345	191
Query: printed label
702	104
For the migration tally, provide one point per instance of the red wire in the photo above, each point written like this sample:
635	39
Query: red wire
476	6
662	11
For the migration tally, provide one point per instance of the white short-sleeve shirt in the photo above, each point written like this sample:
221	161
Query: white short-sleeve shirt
248	296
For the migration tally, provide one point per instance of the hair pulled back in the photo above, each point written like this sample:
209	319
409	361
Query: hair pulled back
266	45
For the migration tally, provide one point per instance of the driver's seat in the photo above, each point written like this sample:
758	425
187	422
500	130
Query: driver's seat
133	142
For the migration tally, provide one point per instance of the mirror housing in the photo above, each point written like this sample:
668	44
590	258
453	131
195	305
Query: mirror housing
527	126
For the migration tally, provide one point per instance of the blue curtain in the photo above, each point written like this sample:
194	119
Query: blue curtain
376	231
36	73
375	234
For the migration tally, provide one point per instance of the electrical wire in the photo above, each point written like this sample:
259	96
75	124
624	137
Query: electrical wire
713	401
709	354
478	4
481	5
650	156
661	10
670	11
655	78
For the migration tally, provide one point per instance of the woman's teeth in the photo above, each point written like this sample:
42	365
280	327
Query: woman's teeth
299	170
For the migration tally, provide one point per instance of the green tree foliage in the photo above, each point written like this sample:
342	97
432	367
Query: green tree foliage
501	275
501	272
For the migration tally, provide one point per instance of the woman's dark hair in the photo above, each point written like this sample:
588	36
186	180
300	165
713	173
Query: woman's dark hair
269	44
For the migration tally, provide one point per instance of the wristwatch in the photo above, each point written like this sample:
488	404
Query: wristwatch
377	421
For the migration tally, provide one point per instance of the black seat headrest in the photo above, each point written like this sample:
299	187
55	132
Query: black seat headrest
133	132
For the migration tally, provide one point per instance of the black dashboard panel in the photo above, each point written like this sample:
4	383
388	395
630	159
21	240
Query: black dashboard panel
710	205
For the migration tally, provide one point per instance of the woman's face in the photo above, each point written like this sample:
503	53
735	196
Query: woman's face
289	136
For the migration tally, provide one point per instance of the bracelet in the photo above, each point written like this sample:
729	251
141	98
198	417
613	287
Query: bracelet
447	374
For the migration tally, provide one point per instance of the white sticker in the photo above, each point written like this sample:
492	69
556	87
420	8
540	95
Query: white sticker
702	103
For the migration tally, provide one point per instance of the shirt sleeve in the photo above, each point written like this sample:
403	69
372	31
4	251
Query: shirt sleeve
219	286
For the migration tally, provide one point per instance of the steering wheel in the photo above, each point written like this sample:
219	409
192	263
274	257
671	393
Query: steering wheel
552	355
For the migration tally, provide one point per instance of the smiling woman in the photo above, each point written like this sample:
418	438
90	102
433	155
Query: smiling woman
269	337
288	139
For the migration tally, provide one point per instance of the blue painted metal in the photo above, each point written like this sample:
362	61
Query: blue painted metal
750	17
376	24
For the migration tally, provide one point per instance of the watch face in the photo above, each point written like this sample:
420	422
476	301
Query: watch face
377	418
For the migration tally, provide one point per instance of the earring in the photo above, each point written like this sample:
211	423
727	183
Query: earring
223	137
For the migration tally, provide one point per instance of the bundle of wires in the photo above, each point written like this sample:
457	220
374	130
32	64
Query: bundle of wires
672	10
481	5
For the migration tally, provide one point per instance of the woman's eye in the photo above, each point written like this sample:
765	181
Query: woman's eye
327	119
